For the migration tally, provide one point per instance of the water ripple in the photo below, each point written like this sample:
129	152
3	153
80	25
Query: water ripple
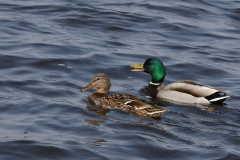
51	50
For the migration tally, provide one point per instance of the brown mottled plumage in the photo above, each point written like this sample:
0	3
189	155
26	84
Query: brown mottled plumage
124	101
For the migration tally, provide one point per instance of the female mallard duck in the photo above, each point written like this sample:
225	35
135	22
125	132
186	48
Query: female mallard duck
182	91
125	101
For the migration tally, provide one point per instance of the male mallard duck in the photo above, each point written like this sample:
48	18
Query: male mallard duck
124	101
182	91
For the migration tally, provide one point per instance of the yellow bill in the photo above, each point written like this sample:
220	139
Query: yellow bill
138	67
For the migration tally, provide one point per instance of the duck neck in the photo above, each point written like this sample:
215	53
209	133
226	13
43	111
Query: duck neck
154	85
153	88
102	90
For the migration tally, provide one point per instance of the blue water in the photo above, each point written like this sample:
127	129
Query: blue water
50	50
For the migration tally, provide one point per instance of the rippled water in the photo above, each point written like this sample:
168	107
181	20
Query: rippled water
49	50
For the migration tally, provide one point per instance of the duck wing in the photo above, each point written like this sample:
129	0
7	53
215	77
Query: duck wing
193	88
120	100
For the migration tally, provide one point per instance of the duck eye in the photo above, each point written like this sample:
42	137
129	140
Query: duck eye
151	63
98	78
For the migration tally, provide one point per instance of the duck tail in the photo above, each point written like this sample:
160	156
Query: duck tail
217	97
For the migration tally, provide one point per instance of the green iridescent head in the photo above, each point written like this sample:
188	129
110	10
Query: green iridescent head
154	67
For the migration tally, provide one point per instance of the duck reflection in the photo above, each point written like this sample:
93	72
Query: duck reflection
95	141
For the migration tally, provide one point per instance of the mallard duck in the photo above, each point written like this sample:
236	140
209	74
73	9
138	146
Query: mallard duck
124	101
183	91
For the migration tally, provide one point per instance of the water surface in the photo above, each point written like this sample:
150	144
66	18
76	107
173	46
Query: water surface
50	50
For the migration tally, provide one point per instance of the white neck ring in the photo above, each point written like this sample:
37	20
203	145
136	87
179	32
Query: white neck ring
156	84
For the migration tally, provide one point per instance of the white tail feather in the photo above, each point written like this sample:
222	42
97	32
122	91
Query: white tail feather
219	98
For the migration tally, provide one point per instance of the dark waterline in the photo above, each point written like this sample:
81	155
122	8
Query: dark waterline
50	50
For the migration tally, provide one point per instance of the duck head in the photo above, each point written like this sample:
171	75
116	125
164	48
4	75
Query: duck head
99	81
154	67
